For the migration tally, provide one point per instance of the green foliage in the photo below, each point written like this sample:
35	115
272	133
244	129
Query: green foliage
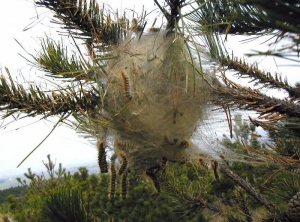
189	192
18	192
275	179
141	201
65	205
82	197
53	59
40	186
287	139
13	203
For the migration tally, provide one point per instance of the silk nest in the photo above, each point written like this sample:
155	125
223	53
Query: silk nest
154	95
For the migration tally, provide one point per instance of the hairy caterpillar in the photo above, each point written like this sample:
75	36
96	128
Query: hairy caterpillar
124	145
124	185
135	27
216	168
154	179
124	164
112	185
126	82
205	164
102	158
293	169
154	29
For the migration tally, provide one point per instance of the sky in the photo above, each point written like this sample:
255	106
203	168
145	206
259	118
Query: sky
27	24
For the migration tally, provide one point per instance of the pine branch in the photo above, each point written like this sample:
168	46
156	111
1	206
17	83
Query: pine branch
248	16
194	203
87	21
247	186
252	71
283	15
252	17
237	96
245	206
54	60
229	16
14	98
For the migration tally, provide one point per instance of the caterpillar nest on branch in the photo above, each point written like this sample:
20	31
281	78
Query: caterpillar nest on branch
155	98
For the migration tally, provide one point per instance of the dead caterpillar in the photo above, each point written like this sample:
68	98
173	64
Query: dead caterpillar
167	141
154	29
205	164
183	144
102	158
124	164
112	185
135	27
189	163
124	185
174	116
160	166
126	82
164	162
154	179
216	168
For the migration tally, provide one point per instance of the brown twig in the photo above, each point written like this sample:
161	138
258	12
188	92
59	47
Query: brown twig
237	96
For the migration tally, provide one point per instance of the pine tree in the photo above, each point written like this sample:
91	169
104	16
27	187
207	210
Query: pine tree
148	88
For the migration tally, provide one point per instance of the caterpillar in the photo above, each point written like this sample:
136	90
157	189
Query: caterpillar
127	88
183	144
216	168
167	141
135	27
102	158
124	164
293	169
160	166
112	185
154	29
124	185
154	179
164	163
205	164
124	145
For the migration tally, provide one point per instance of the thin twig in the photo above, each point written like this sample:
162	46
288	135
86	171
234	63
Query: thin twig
54	127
